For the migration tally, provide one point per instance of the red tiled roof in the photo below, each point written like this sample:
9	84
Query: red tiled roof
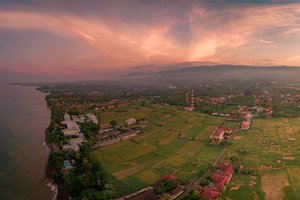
227	168
220	130
222	177
210	193
170	177
245	125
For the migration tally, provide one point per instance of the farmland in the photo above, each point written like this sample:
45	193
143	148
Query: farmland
141	161
269	150
272	148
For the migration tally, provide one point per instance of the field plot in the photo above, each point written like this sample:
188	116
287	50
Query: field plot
273	184
270	146
140	162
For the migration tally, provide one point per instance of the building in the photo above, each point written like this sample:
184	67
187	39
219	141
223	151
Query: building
92	117
190	101
176	192
210	193
219	134
170	177
130	121
74	143
146	193
67	117
220	179
222	176
245	125
105	128
72	127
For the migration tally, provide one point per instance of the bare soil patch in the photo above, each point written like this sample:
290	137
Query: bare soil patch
251	183
236	187
237	137
127	172
289	158
273	183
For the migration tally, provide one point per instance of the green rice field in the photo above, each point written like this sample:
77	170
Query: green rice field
271	147
143	160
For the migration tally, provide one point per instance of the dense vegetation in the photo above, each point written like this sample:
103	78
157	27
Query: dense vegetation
87	179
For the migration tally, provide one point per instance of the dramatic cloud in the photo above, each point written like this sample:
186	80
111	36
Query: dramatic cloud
109	37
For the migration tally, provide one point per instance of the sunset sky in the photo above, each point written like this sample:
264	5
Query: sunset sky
100	39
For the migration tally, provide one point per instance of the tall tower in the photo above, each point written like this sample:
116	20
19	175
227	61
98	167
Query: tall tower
187	99
192	100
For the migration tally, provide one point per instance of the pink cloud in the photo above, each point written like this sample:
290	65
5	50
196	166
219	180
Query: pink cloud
231	34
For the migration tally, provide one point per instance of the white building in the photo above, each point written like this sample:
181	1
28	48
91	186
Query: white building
130	121
72	127
93	118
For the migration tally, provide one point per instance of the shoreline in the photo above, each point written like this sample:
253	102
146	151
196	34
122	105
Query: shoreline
46	174
46	177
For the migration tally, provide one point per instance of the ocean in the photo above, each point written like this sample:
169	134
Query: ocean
24	116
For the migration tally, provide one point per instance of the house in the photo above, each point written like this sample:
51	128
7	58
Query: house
220	179
219	134
269	111
222	176
92	117
74	143
105	128
210	193
67	117
72	127
170	177
245	125
130	121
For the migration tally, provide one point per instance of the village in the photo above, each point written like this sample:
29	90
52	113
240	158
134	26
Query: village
154	150
169	185
112	132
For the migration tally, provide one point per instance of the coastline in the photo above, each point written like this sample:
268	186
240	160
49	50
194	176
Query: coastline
47	179
46	172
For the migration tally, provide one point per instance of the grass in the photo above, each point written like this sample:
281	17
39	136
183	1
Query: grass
248	187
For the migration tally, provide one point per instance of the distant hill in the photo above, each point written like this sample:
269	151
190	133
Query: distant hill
219	72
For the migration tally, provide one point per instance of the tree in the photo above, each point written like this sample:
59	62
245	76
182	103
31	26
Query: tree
55	161
165	197
113	122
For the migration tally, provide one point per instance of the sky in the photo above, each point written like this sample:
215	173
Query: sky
71	40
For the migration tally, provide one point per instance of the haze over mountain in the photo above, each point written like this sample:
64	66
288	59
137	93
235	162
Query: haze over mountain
226	72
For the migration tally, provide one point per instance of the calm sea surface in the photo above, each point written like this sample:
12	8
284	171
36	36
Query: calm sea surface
23	119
